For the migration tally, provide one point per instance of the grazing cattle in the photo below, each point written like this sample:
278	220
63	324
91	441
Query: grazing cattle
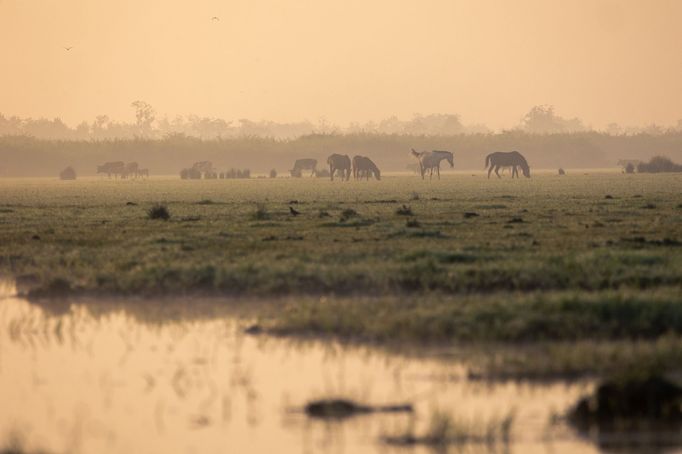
363	166
430	160
116	168
511	159
304	164
340	162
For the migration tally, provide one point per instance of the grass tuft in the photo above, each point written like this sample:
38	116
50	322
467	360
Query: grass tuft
158	211
404	210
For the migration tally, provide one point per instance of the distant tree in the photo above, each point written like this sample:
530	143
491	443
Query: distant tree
543	120
614	129
144	117
653	130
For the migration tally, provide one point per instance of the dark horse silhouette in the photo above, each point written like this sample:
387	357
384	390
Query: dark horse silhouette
511	159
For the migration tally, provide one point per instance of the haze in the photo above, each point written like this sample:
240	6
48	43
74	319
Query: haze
489	61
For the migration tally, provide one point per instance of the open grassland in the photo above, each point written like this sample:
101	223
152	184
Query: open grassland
585	256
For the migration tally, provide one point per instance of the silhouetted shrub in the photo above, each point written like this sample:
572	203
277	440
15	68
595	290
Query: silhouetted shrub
67	174
659	164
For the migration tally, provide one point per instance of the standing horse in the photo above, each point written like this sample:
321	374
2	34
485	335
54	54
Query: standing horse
304	164
130	170
116	167
339	162
363	166
429	160
512	159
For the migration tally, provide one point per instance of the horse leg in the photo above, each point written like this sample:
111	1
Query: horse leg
496	171
331	171
490	170
515	171
438	171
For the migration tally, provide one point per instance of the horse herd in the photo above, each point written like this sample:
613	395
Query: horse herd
342	165
429	162
123	170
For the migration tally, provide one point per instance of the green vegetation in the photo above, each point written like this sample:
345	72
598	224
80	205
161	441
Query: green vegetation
527	261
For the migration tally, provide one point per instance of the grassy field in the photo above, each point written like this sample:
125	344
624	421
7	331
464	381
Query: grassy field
592	255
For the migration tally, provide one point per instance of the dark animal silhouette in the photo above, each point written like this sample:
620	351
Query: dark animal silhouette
363	166
340	162
293	211
511	159
115	168
304	164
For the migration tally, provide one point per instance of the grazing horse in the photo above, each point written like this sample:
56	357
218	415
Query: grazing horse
304	164
356	167
429	160
115	167
339	162
130	170
363	166
511	159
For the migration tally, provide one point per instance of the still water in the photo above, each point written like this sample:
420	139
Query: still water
81	378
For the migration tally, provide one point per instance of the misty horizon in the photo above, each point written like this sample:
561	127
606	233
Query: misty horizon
147	123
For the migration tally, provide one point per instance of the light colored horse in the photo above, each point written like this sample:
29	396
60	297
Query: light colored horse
429	160
363	166
511	159
339	162
304	164
116	168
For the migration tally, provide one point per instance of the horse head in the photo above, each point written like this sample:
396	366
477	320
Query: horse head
450	159
526	170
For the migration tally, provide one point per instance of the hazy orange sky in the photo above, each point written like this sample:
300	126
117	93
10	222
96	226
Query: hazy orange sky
350	60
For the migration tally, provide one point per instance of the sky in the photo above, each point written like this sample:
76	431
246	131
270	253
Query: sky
489	61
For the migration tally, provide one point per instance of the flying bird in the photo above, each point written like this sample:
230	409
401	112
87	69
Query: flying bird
215	18
68	48
294	212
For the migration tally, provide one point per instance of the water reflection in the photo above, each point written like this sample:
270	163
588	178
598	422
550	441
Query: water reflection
90	378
